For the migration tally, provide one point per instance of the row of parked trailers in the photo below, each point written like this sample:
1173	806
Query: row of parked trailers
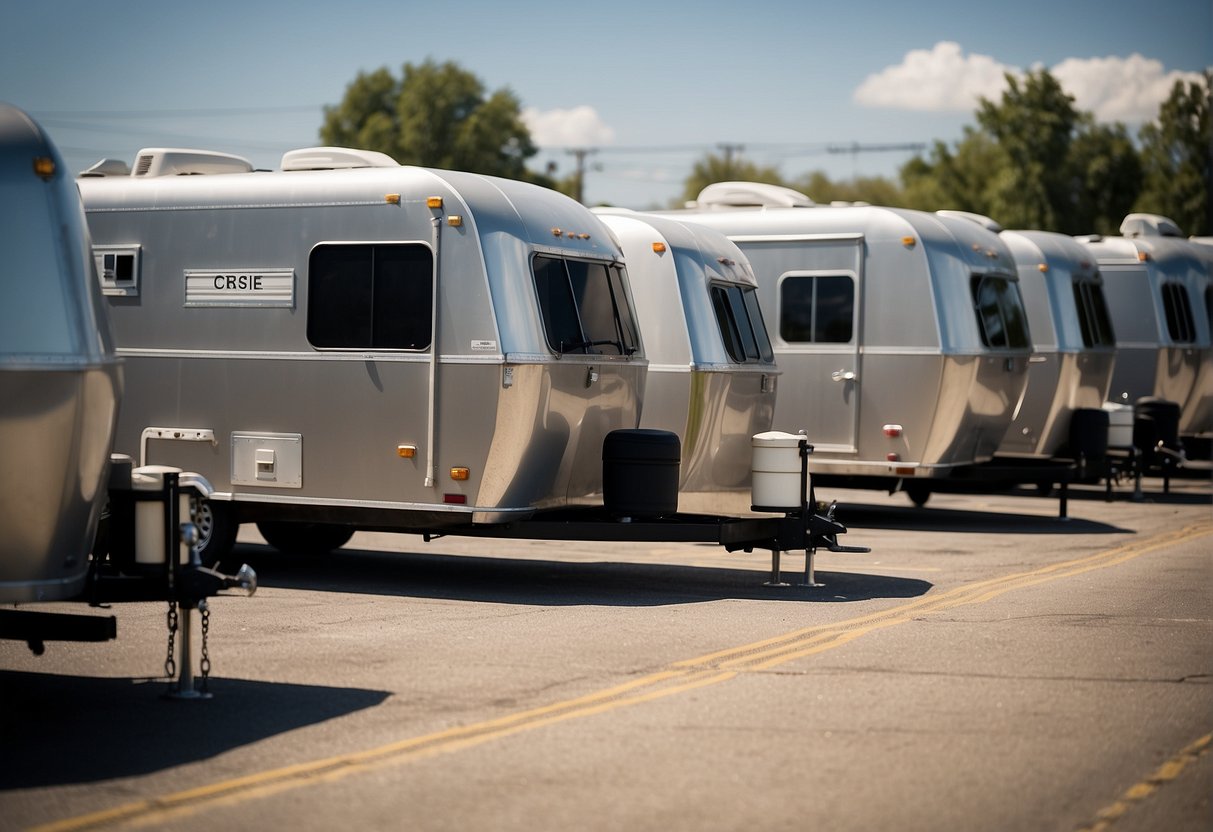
347	344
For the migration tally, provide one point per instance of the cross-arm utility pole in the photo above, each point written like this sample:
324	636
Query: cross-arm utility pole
579	153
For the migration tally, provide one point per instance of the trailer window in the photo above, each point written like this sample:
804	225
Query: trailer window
1093	317
585	307
817	309
741	326
1000	313
370	296
1180	325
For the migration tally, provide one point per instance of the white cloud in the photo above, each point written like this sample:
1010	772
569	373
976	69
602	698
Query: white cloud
578	127
1119	89
940	79
945	79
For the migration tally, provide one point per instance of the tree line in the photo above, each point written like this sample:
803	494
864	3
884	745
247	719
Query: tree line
1031	160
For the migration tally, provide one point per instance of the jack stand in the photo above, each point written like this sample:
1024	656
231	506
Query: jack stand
810	579
775	581
184	689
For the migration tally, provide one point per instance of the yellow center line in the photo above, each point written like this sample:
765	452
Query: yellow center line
1138	792
679	677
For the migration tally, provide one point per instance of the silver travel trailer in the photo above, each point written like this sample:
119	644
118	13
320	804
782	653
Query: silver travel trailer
1073	344
60	381
1156	283
901	335
363	345
353	344
75	523
712	373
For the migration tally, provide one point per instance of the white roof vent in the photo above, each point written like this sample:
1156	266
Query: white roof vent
334	158
107	167
750	195
980	219
1149	225
173	161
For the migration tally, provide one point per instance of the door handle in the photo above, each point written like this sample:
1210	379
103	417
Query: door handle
843	375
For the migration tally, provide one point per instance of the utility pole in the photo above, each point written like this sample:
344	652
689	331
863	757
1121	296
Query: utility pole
579	153
729	150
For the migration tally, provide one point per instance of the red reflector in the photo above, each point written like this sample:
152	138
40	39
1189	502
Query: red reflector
892	430
458	499
904	472
894	457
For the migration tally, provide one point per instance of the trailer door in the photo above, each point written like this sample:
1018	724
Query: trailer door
813	285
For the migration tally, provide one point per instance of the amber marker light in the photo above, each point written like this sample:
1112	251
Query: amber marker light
908	241
406	451
1043	268
391	199
454	220
44	166
460	474
433	202
556	232
1143	256
659	247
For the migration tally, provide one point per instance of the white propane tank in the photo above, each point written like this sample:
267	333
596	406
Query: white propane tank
149	516
1120	424
775	471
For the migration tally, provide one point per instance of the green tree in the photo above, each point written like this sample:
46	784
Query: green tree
874	190
1107	178
1032	161
1177	158
435	115
713	168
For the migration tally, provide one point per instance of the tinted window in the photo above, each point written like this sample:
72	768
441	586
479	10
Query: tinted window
741	327
370	296
584	306
818	309
1180	325
1093	317
1000	314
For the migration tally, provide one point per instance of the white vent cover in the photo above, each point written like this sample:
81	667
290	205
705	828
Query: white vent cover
173	161
334	158
750	195
108	167
1149	225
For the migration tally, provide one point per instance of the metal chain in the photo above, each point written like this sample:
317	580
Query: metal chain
205	665
170	661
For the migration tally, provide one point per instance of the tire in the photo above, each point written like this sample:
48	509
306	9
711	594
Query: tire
918	493
216	528
304	538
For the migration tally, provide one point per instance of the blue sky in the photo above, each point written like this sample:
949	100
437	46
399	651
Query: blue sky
650	86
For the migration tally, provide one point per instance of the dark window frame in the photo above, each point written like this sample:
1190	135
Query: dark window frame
357	291
1000	323
820	329
739	318
1177	308
554	280
1093	318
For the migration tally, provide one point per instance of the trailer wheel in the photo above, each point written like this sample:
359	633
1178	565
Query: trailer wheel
918	493
304	538
216	529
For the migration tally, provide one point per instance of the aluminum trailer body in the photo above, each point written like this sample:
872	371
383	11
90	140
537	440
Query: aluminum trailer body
1157	290
357	343
712	373
1073	342
60	381
900	335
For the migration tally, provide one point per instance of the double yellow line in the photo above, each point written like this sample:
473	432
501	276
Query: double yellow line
680	677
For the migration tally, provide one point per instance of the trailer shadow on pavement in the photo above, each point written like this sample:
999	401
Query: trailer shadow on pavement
128	729
927	519
560	583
